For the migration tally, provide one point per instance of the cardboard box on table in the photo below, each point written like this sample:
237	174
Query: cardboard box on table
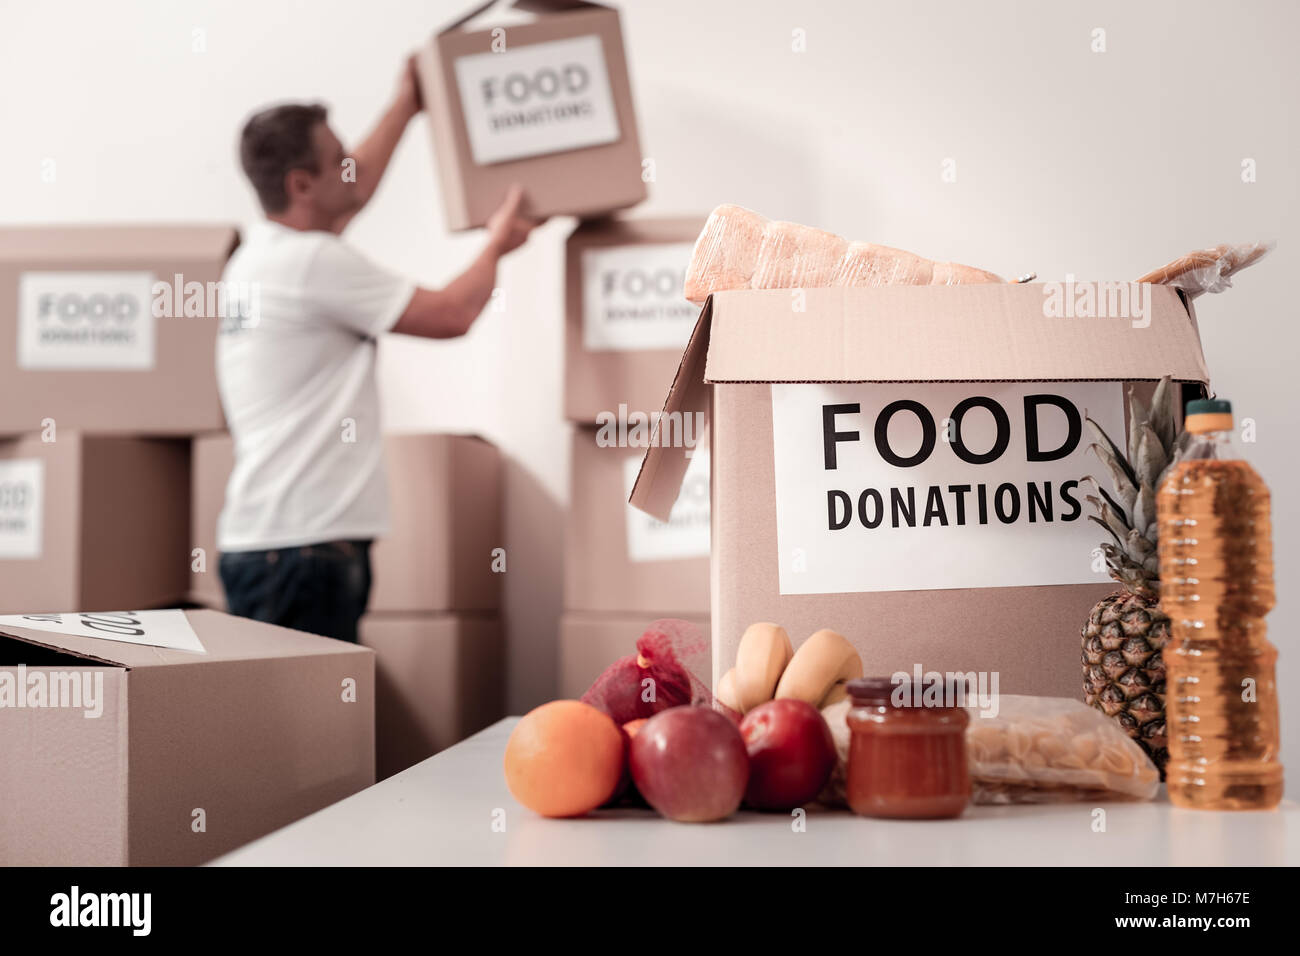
590	642
538	96
626	317
620	560
191	754
444	494
93	335
810	517
97	522
439	678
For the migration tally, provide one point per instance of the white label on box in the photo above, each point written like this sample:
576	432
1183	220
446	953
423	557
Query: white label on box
170	628
85	320
537	99
686	532
632	297
900	487
22	507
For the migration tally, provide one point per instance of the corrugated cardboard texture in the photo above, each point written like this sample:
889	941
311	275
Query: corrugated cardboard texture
439	678
445	510
583	182
62	775
599	381
598	574
179	395
255	734
589	643
996	332
116	519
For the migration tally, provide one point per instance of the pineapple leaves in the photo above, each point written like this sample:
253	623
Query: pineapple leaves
1150	459
1117	538
1121	474
1164	414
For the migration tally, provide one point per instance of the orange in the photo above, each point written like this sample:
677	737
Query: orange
633	727
564	758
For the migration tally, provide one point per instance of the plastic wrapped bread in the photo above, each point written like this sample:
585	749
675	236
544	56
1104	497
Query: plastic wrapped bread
867	264
726	252
739	249
1053	749
1208	270
791	256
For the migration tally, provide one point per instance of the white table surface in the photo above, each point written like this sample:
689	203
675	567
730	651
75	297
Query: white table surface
441	812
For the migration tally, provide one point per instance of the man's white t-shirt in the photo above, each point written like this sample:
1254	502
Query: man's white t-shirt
297	382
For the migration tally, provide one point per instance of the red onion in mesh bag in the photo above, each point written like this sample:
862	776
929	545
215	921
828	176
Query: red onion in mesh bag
664	673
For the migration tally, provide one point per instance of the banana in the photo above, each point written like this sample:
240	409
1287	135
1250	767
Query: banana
819	669
727	690
762	655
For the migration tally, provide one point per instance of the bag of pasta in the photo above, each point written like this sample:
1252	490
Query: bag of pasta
1052	749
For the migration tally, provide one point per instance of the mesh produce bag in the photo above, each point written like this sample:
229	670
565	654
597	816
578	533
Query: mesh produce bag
664	672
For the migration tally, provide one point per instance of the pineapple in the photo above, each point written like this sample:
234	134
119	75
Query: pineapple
1123	665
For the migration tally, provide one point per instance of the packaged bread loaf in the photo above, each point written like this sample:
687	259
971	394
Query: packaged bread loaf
739	249
1053	749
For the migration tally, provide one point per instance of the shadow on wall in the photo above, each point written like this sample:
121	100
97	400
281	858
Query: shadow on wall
534	586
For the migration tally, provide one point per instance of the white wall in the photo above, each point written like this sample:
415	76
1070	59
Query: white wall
1098	164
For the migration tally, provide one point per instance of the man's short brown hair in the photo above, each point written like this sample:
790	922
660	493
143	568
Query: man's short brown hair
275	141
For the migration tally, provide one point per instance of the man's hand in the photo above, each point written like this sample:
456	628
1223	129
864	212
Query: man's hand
408	97
508	228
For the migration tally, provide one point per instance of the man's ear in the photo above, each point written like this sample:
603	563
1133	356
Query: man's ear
297	182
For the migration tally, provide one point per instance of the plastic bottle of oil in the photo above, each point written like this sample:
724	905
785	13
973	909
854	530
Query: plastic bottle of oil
1216	581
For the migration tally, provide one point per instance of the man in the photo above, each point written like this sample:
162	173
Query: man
308	492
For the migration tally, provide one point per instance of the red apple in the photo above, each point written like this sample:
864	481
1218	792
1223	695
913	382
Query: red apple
791	754
689	763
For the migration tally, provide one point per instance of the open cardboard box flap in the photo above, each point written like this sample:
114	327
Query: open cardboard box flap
977	333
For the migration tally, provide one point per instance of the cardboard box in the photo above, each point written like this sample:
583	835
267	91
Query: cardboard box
444	497
589	643
796	403
190	754
618	559
545	103
626	317
93	332
439	678
93	521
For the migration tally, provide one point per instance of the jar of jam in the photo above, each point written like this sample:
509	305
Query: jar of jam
907	760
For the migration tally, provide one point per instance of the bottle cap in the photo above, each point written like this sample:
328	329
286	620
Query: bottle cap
1209	406
1208	415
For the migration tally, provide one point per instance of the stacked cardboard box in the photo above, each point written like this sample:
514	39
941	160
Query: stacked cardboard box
433	617
129	734
626	324
107	338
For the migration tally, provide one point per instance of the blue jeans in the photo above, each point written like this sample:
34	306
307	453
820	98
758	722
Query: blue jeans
318	588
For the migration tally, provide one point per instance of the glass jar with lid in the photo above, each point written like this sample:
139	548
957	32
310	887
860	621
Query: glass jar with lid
907	758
